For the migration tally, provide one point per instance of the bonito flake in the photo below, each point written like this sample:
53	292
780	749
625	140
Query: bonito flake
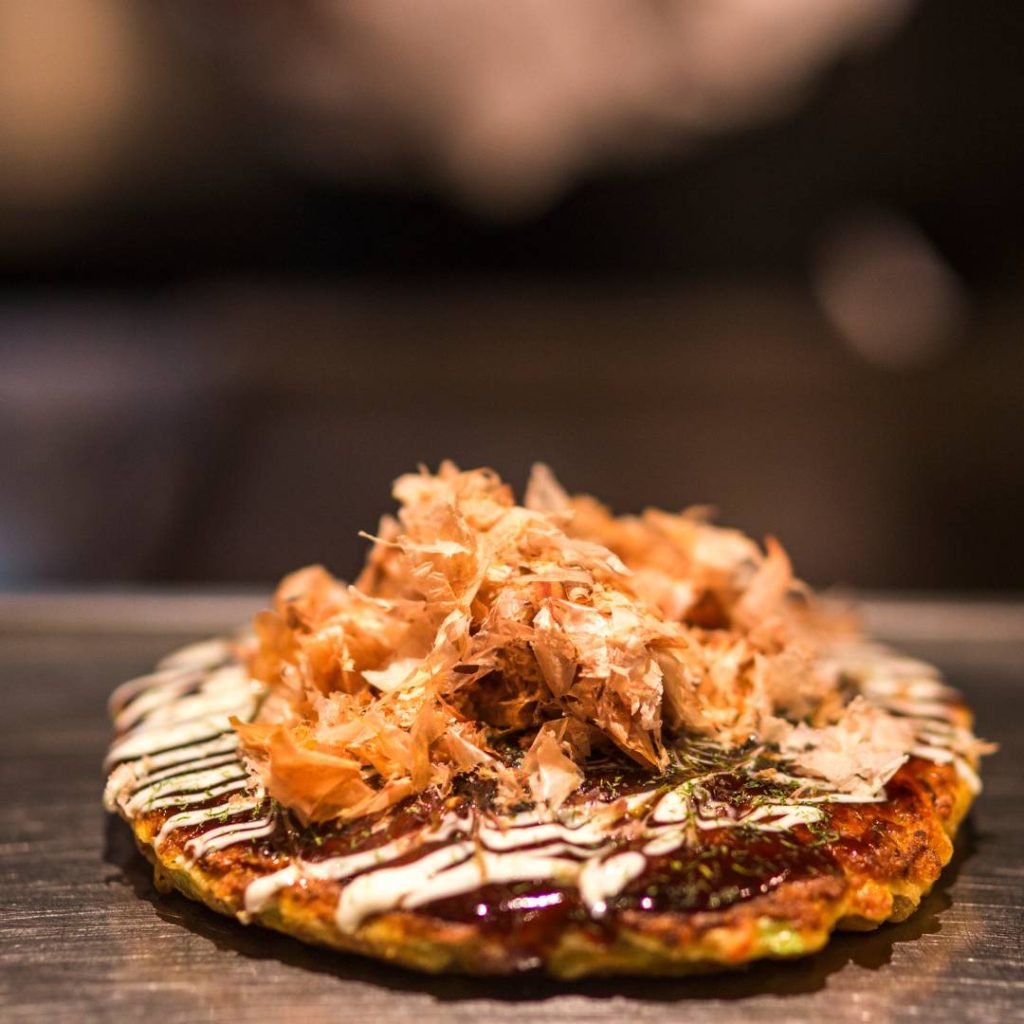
480	628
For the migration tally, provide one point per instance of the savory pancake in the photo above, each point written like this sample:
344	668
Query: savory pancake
541	736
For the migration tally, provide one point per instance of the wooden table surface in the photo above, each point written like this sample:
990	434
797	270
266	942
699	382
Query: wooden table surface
84	935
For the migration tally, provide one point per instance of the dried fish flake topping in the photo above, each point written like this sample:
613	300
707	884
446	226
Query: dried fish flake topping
553	628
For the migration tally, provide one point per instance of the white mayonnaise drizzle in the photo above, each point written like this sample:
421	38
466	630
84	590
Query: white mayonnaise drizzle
601	879
385	888
186	819
175	749
139	744
228	835
230	783
204	654
163	780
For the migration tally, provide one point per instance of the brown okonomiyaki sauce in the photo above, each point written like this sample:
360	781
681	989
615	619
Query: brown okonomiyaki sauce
715	869
725	869
338	839
721	867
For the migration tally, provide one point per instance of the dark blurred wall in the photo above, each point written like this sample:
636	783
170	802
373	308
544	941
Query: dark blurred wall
234	434
214	361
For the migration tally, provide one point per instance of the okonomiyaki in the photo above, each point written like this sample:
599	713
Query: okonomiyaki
539	735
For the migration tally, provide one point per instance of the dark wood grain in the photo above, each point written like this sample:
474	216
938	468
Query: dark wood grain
85	936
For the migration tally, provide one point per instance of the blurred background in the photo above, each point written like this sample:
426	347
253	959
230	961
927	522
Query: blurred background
260	257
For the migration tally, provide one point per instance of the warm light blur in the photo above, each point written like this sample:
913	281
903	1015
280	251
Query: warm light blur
888	291
69	85
505	103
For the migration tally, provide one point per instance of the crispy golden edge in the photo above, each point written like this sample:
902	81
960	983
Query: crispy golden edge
793	920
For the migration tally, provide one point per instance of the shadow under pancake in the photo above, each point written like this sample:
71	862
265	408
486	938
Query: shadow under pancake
869	950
